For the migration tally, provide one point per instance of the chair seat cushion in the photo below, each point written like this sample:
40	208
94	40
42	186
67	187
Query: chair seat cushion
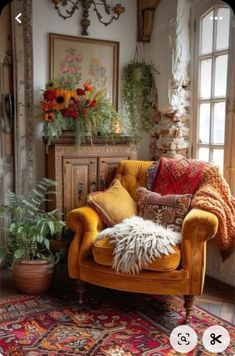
103	255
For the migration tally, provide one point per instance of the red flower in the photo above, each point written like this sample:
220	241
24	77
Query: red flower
84	111
71	111
47	106
49	95
77	102
80	91
92	104
88	101
87	86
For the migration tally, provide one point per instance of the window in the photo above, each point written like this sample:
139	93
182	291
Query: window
213	138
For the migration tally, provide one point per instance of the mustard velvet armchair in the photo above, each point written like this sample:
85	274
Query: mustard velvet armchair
179	274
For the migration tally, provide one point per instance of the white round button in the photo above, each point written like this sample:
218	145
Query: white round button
183	338
216	338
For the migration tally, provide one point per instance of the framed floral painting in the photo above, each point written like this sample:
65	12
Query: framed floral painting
77	60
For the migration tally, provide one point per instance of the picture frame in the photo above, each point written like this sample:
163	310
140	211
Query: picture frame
82	59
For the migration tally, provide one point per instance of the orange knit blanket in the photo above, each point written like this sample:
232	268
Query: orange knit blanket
213	195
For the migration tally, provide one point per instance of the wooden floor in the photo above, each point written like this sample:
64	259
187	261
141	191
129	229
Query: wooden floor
218	298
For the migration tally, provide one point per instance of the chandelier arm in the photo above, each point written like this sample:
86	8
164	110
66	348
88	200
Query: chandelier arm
69	12
100	17
107	8
86	4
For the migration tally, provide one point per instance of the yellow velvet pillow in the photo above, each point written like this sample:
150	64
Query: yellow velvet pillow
113	205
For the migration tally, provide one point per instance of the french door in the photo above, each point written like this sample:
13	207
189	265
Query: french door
213	100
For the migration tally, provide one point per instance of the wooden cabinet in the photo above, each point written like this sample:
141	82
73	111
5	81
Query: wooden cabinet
80	171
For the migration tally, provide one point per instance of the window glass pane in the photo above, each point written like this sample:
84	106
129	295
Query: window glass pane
218	158
204	123
205	79
221	64
222	38
203	154
207	33
218	123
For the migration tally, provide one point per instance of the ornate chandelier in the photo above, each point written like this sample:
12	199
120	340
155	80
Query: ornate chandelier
66	9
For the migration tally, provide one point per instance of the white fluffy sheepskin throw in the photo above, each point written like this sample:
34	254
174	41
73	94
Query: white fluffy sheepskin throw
138	242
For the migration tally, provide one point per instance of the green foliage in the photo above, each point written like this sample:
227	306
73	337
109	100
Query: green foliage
54	130
137	87
31	225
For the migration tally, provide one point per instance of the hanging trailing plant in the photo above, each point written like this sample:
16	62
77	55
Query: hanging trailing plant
138	96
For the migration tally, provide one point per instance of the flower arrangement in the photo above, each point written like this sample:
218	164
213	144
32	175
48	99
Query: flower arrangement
82	110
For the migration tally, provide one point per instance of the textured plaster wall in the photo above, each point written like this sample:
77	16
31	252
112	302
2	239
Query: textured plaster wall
45	20
171	37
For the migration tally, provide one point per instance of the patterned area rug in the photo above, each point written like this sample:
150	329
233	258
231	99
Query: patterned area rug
111	323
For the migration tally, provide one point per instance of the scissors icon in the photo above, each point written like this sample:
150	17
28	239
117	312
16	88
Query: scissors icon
215	338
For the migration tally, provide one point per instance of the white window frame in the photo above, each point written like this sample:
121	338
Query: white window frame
200	8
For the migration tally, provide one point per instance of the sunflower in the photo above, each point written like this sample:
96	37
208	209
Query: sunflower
49	117
73	95
53	84
62	98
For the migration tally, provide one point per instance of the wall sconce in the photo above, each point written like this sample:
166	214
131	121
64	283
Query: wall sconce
66	9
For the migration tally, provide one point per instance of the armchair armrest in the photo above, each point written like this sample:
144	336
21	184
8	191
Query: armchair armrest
86	224
199	226
200	223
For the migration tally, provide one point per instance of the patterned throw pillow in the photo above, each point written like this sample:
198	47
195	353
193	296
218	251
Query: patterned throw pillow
151	175
167	210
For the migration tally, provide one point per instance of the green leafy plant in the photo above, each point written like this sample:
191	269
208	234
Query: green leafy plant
137	92
31	226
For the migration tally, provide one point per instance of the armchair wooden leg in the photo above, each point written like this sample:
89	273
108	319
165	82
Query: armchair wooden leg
81	289
188	305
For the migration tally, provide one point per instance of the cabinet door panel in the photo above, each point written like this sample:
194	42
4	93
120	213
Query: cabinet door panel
80	177
107	169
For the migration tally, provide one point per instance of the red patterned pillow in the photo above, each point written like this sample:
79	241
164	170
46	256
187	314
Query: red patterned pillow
167	210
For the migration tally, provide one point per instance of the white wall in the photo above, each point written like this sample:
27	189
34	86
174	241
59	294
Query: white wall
160	48
46	20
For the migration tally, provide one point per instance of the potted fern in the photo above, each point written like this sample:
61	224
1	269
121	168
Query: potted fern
30	228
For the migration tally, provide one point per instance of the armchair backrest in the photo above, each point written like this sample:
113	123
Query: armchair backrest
132	174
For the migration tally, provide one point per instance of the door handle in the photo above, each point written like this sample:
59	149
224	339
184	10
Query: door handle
8	112
80	191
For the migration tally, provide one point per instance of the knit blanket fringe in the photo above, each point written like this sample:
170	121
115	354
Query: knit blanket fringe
138	242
